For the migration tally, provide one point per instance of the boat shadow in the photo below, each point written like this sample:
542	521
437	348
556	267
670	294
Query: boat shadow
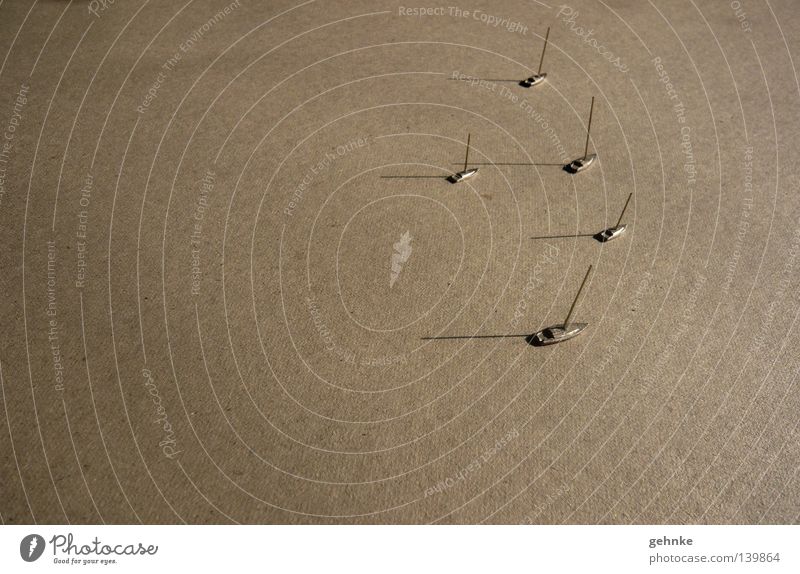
596	236
527	164
414	177
471	79
530	339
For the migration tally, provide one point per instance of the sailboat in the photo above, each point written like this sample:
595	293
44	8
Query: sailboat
564	331
548	336
465	173
603	236
582	163
614	232
538	77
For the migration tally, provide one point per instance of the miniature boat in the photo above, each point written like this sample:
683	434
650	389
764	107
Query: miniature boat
556	334
610	233
564	331
538	77
547	336
533	80
465	173
581	163
618	229
462	175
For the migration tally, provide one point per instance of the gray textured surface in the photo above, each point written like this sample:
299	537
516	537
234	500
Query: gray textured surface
295	378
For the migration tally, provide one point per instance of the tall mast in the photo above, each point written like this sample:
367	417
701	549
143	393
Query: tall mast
623	210
541	60
466	159
589	129
571	309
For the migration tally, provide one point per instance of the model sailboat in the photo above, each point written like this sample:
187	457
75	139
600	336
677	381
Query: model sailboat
538	77
617	230
466	173
582	163
565	331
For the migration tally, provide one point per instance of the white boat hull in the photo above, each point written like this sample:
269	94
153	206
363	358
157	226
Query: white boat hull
582	163
556	334
462	175
610	234
534	80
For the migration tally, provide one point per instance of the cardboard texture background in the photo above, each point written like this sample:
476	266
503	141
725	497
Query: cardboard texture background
202	320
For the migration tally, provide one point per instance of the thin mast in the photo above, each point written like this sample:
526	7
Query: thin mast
466	159
571	309
541	60
589	129
623	210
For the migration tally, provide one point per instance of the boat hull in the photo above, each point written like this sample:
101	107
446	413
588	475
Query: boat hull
556	334
534	80
462	175
610	234
582	163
